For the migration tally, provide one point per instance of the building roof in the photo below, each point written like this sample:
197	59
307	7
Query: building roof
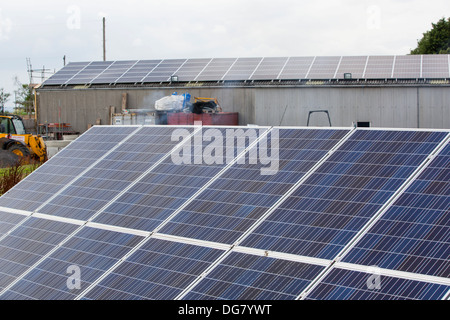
319	68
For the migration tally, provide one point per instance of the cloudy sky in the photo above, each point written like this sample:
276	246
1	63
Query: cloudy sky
45	31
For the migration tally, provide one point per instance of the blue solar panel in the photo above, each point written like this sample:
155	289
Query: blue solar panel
27	244
246	277
153	199
216	69
414	234
160	270
334	203
353	285
62	169
92	251
8	221
240	69
114	173
89	73
225	210
312	203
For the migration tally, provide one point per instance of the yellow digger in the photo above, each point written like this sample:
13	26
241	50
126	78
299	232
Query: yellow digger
14	138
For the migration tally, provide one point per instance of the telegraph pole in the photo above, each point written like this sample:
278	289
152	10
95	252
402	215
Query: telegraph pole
104	39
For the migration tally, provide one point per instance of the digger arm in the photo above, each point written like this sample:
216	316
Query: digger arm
37	145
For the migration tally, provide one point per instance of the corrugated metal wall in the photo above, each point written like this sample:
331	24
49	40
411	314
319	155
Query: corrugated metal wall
400	107
383	107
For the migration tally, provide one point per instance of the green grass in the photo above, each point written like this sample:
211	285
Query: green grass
9	177
27	169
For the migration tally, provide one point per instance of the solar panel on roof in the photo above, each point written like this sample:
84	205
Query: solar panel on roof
379	67
216	69
242	69
435	66
191	69
269	69
353	65
296	68
114	72
407	66
164	70
323	68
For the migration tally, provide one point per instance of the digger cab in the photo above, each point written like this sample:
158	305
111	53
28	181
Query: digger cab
12	125
14	138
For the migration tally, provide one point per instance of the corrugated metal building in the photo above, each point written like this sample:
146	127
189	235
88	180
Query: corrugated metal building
380	91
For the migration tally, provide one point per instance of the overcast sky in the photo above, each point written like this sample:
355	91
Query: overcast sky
45	31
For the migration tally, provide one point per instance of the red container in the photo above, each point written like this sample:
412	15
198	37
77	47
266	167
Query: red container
207	119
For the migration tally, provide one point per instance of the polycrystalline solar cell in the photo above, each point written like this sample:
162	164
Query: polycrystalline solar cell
324	68
8	221
191	69
296	68
337	200
353	65
379	67
99	64
435	66
342	284
55	81
242	69
60	170
216	69
269	69
247	277
138	71
91	250
226	209
92	191
66	73
414	234
27	244
407	66
162	191
90	72
159	270
114	72
164	70
60	78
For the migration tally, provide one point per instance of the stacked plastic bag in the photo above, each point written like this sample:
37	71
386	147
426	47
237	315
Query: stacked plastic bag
174	102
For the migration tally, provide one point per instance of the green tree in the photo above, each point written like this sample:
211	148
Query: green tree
4	96
436	40
24	97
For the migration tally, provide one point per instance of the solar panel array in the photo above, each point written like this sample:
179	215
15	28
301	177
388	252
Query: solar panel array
242	69
142	212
